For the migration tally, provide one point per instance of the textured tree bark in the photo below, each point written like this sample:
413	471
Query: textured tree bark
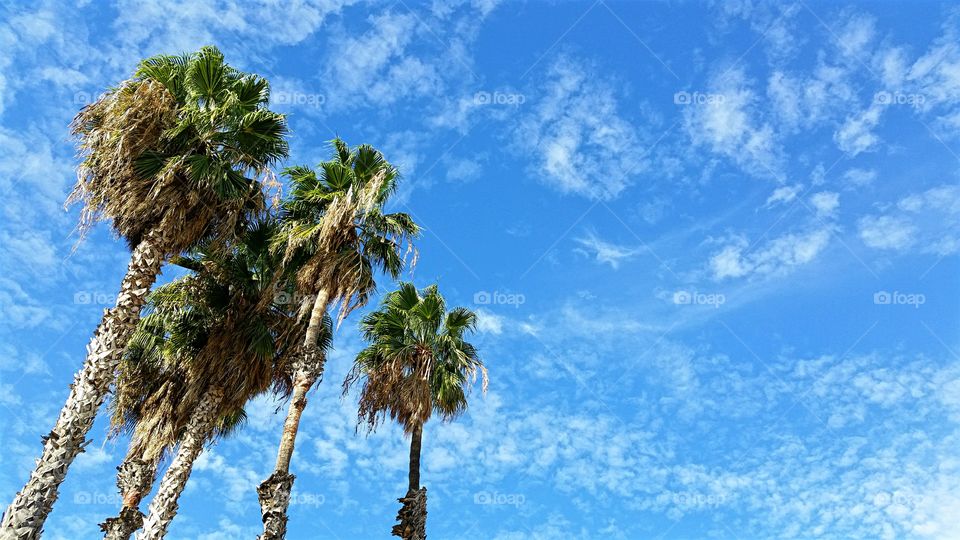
164	505
274	495
413	513
134	480
412	516
24	518
415	443
274	492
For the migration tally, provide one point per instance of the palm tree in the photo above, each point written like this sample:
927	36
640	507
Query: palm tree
211	342
169	156
147	386
335	235
418	363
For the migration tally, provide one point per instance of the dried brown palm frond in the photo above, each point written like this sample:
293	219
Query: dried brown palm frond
336	265
392	390
221	327
417	362
157	159
114	132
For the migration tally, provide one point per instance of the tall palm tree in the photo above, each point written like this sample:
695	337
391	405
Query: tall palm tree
211	342
418	363
336	236
147	387
171	156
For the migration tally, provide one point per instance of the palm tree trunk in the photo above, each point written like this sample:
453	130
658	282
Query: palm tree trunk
135	478
164	505
416	440
413	514
274	492
25	516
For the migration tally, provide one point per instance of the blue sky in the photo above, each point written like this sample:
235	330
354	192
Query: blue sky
714	248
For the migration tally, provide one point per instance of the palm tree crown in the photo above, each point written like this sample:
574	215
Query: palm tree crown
334	229
418	361
172	149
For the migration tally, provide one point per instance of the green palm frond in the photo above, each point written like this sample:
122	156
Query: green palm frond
417	362
181	146
334	231
219	326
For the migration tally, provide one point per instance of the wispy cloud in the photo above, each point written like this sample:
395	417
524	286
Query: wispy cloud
575	130
604	252
775	257
728	125
929	220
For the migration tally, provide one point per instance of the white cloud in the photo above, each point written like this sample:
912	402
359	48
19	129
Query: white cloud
929	219
93	459
783	194
8	396
773	24
183	25
775	257
802	102
936	77
860	177
855	35
576	135
729	126
729	263
375	67
489	322
604	252
887	232
464	169
856	134
421	60
21	309
825	202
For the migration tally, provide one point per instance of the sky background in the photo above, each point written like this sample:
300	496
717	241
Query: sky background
714	248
